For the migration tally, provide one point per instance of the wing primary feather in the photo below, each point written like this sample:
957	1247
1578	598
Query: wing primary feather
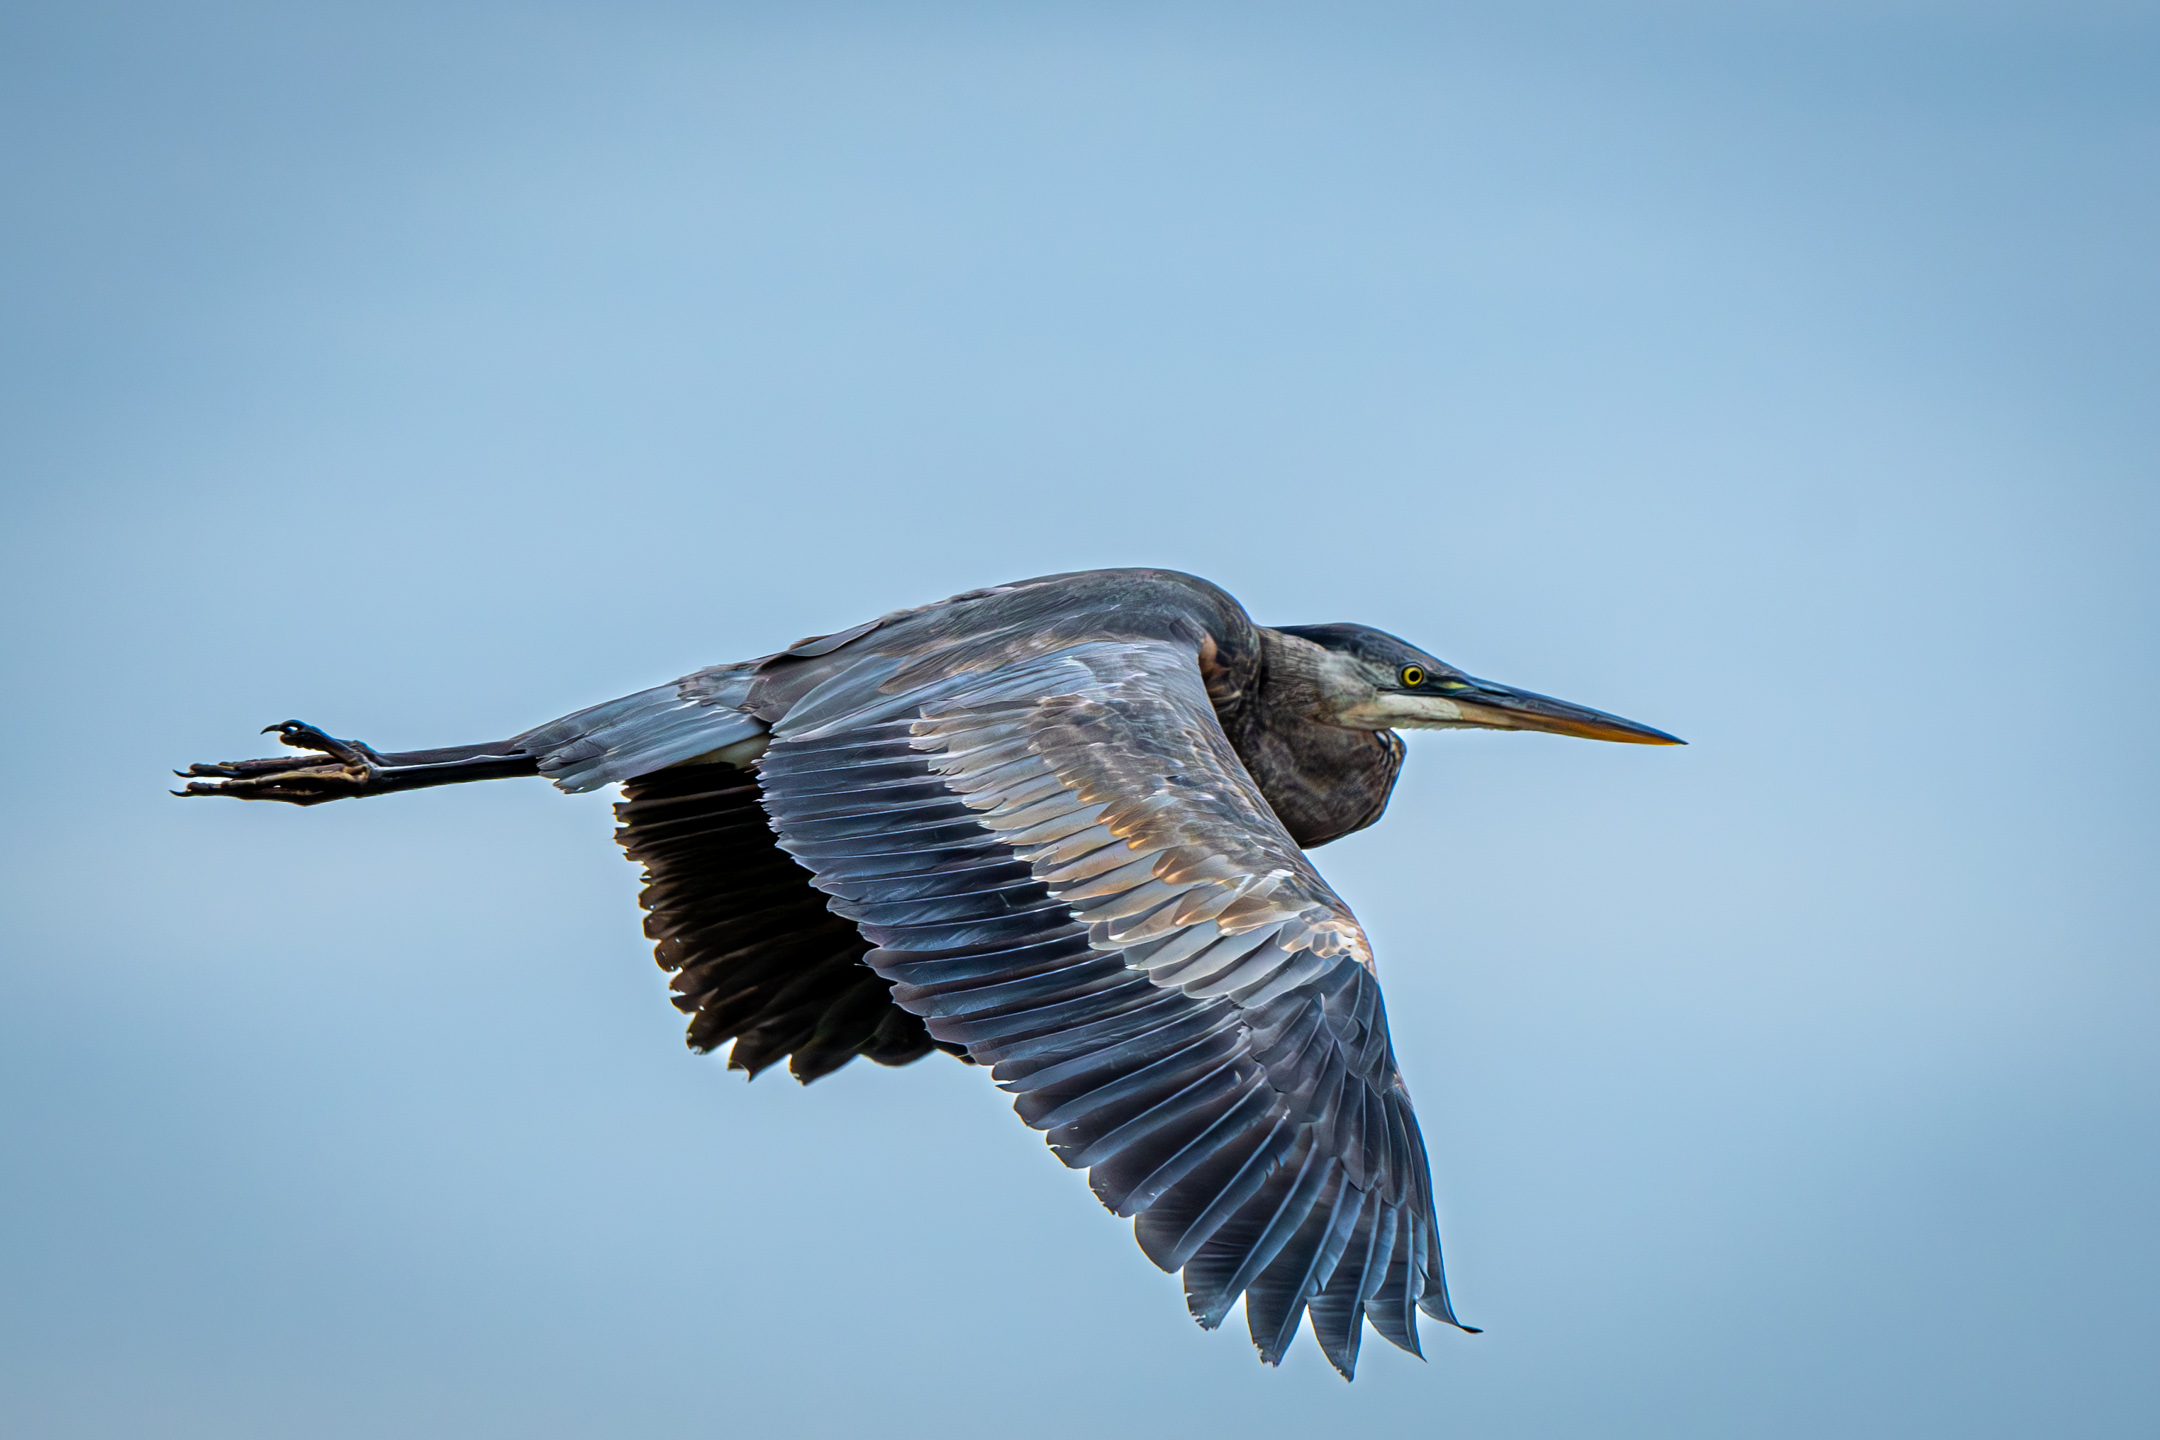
1074	1145
1338	1311
1055	1105
1217	1197
1405	1149
1219	1273
1393	1308
1278	1296
1219	1125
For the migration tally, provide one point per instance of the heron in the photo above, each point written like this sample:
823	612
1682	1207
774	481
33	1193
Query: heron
1055	828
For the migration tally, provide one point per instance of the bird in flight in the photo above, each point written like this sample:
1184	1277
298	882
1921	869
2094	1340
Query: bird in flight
1056	828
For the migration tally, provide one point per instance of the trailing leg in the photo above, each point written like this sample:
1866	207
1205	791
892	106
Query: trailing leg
346	769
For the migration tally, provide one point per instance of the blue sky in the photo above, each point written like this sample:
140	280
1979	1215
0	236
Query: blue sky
1780	375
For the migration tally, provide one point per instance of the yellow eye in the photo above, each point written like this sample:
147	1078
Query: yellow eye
1412	676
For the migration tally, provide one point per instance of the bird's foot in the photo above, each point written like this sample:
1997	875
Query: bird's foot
336	770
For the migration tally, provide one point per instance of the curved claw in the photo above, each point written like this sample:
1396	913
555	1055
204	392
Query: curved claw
333	770
303	736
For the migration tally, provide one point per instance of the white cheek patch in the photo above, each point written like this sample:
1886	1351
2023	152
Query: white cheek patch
1391	711
1415	710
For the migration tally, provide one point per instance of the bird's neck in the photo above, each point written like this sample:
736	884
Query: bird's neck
1323	781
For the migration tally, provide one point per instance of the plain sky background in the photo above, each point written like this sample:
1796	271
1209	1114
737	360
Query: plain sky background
1786	375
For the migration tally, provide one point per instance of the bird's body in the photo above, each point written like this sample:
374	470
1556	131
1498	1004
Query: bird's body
1057	828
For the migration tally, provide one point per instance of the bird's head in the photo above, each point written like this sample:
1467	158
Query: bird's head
1367	679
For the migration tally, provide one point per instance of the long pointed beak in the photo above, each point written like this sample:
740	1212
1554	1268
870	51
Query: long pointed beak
1503	707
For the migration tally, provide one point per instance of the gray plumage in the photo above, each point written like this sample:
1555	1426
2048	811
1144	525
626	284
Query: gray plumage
1056	828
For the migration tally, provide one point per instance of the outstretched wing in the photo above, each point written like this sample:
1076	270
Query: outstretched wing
1065	868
